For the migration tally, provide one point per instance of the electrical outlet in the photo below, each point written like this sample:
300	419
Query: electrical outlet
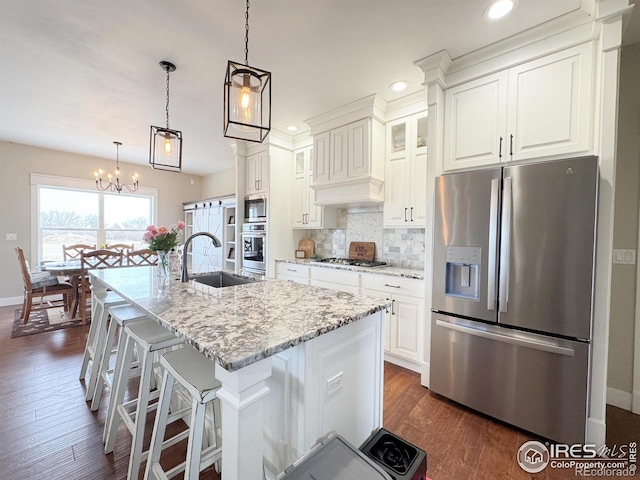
624	256
334	383
11	237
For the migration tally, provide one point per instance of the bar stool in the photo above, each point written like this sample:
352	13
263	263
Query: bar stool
121	316
195	372
101	302
149	337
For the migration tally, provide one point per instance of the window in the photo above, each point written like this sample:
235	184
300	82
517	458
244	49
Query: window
65	215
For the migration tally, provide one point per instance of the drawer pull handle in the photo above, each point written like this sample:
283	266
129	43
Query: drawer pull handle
291	270
392	286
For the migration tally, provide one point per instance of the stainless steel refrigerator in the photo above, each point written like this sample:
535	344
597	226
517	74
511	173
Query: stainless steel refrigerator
512	302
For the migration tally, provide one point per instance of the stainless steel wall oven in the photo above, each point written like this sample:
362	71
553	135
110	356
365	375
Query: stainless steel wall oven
254	248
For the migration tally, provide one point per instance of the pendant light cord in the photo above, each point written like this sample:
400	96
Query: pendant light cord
246	35
167	108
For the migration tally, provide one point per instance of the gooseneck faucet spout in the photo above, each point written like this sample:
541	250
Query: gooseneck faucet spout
184	276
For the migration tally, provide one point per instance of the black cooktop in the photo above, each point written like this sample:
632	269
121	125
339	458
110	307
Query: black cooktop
351	262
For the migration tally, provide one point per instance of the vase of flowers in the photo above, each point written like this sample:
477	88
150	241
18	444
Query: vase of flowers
161	240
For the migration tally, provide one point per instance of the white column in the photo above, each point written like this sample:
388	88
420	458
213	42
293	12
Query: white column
242	397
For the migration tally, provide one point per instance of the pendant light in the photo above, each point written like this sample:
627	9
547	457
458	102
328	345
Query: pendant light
247	97
114	184
165	150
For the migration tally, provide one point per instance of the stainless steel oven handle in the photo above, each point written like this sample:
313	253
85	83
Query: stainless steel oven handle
521	342
254	234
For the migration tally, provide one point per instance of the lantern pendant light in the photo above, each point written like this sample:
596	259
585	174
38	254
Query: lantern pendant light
114	184
247	98
165	150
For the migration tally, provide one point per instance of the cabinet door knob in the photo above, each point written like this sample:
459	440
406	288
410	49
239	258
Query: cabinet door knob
511	145
412	214
393	302
500	149
405	214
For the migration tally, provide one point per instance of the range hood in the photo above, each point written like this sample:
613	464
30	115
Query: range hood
349	154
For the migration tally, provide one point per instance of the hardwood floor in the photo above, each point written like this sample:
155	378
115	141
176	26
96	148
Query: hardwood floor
47	430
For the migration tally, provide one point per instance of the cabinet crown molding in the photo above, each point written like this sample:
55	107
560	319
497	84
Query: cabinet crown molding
372	106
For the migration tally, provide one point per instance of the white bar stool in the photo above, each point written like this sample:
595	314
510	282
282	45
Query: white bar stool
100	304
150	337
121	316
195	372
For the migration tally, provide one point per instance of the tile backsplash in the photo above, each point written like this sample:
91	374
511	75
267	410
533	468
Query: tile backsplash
397	246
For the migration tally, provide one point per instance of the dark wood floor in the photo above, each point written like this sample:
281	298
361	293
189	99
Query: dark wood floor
47	430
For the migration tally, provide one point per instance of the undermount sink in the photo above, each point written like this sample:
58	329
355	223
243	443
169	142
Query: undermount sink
222	279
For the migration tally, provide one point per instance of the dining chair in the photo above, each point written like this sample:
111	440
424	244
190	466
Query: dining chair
73	251
41	285
120	247
144	256
90	260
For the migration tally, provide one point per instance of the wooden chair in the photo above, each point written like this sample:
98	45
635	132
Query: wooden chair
120	247
73	251
91	260
145	256
44	285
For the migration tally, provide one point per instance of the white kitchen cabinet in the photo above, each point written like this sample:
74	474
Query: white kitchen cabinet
406	172
305	213
257	176
293	272
349	154
404	322
335	279
539	109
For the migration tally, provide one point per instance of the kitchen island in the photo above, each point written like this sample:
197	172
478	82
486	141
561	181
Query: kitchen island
295	362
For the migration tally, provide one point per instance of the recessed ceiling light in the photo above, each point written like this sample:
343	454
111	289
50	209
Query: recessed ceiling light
399	86
292	128
500	8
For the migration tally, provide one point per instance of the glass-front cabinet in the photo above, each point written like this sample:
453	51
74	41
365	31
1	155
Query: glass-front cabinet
406	170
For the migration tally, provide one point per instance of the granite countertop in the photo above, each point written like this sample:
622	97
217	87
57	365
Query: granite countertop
237	326
383	270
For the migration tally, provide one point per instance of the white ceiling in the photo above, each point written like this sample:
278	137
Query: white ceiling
77	75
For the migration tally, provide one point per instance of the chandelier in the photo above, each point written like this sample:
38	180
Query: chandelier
114	184
247	97
165	150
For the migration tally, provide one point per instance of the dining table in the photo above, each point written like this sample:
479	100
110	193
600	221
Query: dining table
71	269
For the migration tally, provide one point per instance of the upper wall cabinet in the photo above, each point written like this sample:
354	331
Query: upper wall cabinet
539	109
305	213
405	190
349	154
257	176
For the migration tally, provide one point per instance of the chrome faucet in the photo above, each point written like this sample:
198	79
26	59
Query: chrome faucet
184	276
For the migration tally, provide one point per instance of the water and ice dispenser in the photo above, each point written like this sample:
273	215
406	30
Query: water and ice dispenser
463	272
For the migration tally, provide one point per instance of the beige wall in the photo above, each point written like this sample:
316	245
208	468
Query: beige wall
625	233
220	184
18	161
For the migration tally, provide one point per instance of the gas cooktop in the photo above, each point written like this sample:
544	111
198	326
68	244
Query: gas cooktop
351	262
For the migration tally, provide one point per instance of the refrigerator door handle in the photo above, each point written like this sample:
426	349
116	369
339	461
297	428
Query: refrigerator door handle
522	342
493	244
505	245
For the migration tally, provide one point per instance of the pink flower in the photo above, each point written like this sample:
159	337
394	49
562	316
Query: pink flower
162	230
151	228
181	225
147	236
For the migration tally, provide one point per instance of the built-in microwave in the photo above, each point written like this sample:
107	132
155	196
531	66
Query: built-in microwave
255	208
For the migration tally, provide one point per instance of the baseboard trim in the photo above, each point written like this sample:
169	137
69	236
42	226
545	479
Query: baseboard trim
401	362
6	301
619	399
